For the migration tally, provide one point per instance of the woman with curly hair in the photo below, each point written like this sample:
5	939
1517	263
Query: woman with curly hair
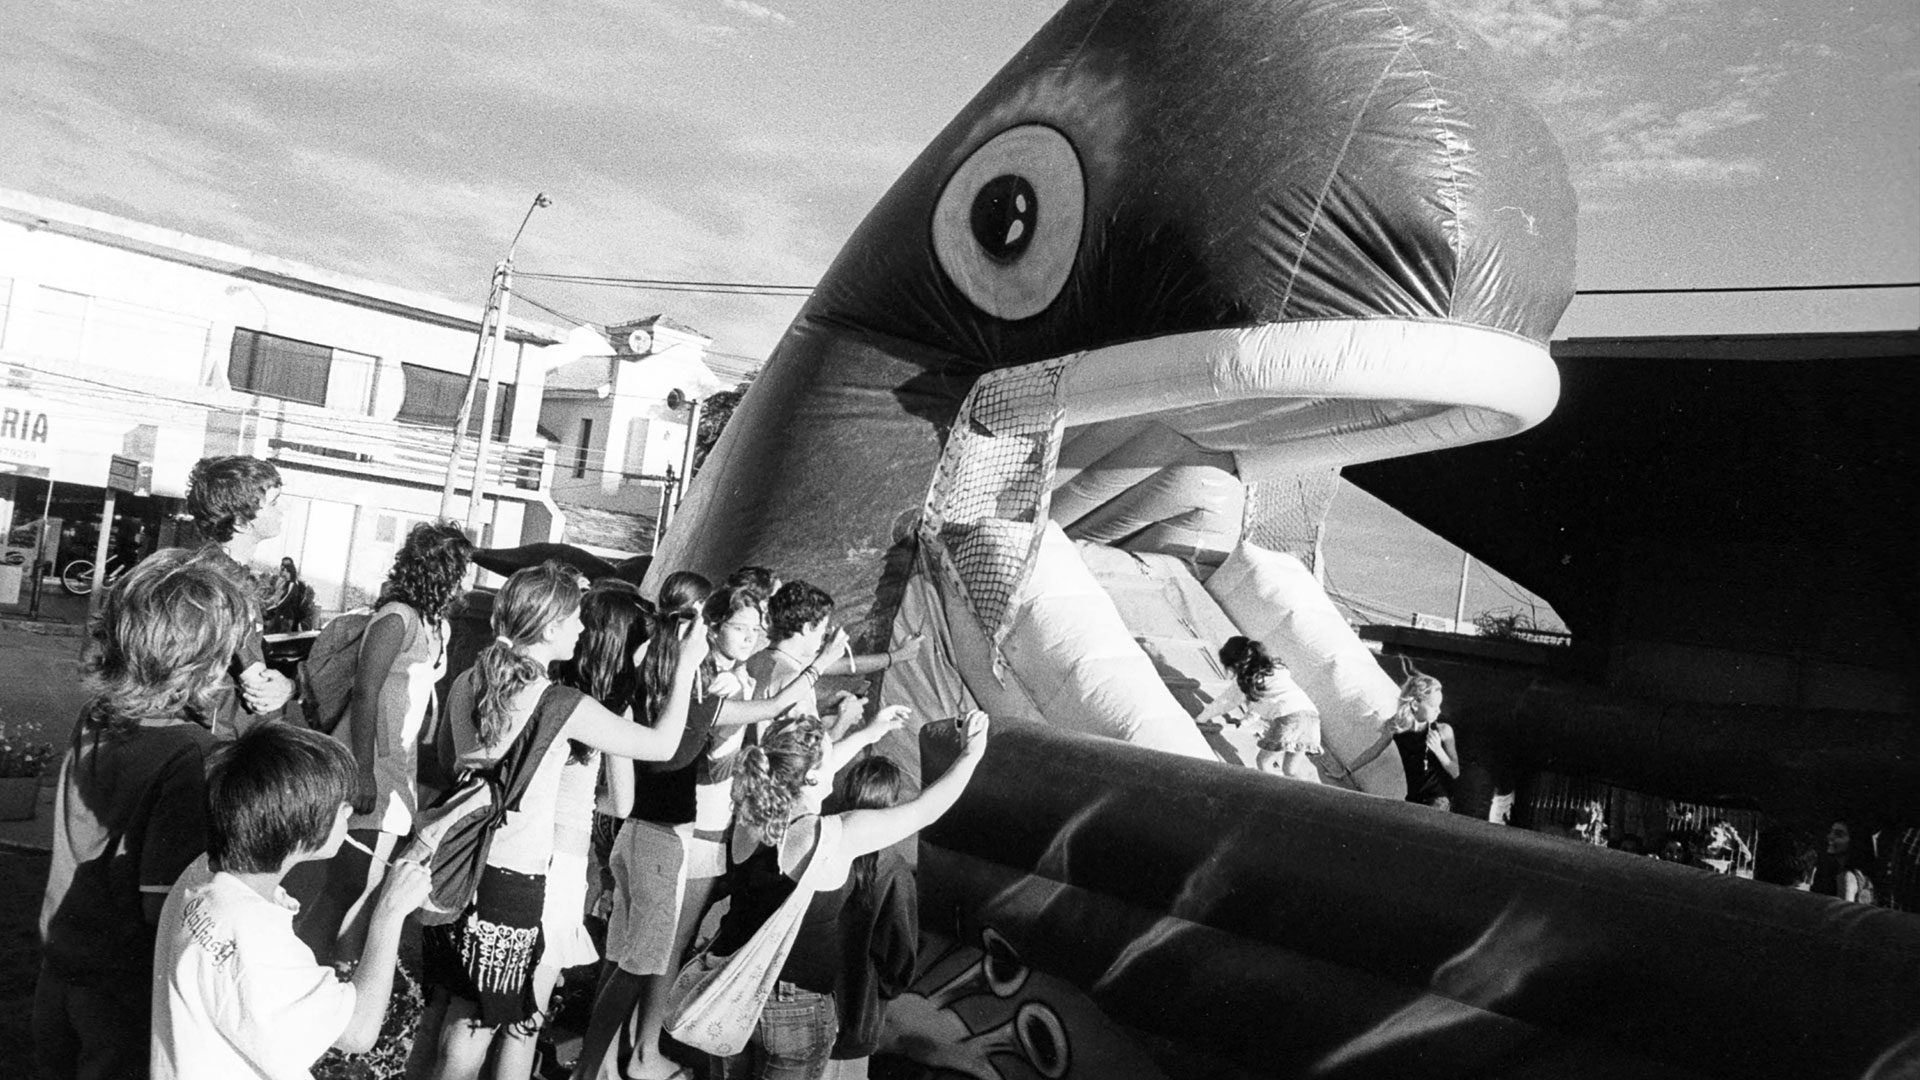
402	655
778	833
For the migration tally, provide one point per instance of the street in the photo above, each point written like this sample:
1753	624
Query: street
39	682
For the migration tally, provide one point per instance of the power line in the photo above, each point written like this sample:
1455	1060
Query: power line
734	288
1690	289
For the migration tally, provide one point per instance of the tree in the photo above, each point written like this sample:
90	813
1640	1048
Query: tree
714	414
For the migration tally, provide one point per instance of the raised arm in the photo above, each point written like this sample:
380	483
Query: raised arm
735	713
890	719
869	663
1230	699
616	800
870	830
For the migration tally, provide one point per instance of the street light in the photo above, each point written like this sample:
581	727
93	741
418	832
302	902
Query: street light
485	351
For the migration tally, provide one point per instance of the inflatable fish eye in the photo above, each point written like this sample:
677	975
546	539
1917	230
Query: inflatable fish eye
1007	227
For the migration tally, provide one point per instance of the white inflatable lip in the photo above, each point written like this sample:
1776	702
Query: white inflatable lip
1293	396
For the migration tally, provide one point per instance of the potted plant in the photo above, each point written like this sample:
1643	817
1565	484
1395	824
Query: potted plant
21	765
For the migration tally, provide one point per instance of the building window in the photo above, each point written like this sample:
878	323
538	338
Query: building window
278	367
580	452
433	400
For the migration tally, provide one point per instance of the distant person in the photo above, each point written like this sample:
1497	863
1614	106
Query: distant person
293	609
235	504
1265	692
1425	743
130	812
403	653
235	993
1845	870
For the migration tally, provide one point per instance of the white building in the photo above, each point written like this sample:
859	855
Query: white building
118	338
620	440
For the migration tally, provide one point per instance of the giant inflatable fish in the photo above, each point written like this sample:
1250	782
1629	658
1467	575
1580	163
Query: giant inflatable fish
1069	404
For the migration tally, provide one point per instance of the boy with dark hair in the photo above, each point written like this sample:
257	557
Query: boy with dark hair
130	812
235	503
797	618
227	495
235	992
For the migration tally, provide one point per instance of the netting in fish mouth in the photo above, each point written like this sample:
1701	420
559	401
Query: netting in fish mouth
987	506
1286	513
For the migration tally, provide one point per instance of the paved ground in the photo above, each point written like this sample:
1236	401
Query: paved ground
40	696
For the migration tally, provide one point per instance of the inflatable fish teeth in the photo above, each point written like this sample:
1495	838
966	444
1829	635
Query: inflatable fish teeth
1170	265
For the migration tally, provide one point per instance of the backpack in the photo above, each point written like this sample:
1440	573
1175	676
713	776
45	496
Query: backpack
326	677
453	837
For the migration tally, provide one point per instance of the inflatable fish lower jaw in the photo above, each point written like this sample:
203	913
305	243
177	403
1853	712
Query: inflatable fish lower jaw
1066	484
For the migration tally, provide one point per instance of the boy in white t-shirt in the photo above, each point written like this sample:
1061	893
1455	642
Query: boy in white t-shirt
235	993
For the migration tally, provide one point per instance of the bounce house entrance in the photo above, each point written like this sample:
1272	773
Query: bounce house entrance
1090	573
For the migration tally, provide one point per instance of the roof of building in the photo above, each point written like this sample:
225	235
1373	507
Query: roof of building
660	321
37	213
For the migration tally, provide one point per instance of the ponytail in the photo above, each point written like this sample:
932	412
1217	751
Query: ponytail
1416	687
530	601
680	598
767	778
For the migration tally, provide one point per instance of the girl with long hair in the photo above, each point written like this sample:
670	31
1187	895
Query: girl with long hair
1263	690
484	962
779	830
614	626
668	854
403	653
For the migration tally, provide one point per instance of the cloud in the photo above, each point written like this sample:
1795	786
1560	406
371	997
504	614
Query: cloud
1645	91
755	11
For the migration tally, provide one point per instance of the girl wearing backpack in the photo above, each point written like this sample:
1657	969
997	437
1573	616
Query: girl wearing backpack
483	962
402	653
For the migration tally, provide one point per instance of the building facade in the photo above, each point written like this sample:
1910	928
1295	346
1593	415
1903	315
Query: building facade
119	338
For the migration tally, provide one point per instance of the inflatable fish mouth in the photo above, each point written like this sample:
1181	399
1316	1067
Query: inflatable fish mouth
1084	507
1287	398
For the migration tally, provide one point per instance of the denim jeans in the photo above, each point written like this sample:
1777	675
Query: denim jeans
793	1041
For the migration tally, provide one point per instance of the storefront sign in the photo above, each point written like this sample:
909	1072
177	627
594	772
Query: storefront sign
24	432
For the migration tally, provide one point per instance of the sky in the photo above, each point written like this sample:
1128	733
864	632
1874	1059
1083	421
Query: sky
1712	142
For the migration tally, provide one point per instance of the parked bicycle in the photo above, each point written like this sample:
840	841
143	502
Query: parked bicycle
77	577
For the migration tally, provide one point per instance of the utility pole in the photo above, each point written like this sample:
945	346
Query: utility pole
485	356
1460	603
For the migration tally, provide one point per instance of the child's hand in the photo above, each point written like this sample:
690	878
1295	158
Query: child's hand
907	650
264	689
892	718
835	647
407	885
973	733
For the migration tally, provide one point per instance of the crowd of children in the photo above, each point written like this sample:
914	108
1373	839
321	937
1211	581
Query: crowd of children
229	885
